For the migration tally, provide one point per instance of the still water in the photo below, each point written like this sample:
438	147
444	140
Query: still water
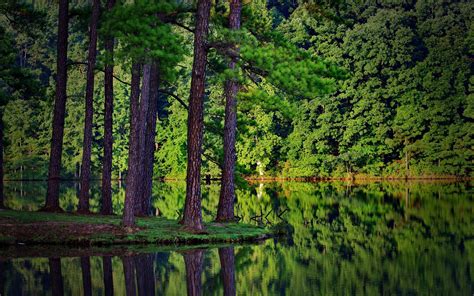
403	238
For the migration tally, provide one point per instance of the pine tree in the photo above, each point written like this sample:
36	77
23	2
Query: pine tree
192	217
225	210
89	110
133	152
106	208
52	195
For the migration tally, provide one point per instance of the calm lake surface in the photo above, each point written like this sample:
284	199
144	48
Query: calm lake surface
403	238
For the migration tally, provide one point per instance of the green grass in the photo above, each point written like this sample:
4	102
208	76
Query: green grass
70	229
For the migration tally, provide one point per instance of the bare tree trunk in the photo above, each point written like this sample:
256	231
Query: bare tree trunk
129	274
54	170
56	276
89	110
150	134
133	152
225	210
108	276
106	208
86	275
192	209
226	256
144	105
193	261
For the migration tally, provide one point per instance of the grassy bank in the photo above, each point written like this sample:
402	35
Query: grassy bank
27	228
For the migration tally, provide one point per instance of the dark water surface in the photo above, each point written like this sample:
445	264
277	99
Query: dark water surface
393	238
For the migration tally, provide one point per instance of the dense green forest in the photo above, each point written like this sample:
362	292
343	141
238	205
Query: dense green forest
397	99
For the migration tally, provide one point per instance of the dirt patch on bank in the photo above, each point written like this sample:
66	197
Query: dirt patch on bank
56	231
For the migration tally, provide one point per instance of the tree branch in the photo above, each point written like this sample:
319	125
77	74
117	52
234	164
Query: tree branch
97	69
164	91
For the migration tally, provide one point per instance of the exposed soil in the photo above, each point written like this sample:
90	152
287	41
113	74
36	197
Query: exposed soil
23	232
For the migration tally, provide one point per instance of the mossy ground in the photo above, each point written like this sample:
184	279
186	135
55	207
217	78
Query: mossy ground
95	230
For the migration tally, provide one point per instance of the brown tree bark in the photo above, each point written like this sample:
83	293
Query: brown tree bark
129	274
192	218
56	276
86	275
225	209
106	208
133	152
144	105
89	110
193	261
108	275
150	134
226	257
54	170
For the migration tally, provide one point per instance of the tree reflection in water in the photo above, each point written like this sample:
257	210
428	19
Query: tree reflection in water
145	274
129	274
193	261
226	257
86	275
108	275
56	276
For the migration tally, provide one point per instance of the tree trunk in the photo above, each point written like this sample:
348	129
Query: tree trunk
133	152
108	276
86	276
129	275
89	110
54	171
56	276
144	105
106	208
226	256
225	209
150	134
192	209
193	261
2	203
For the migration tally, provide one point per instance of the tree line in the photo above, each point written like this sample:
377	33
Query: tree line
324	89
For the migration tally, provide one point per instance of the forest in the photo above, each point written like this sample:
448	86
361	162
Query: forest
140	90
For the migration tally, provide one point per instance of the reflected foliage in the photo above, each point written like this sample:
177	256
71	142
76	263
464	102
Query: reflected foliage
348	238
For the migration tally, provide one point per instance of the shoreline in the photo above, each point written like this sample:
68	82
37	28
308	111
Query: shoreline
279	179
20	228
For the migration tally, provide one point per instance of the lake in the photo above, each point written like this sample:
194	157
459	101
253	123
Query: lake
369	238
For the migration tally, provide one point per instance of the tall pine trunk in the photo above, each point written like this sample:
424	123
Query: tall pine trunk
192	209
226	257
54	170
89	110
225	209
133	152
150	134
106	208
144	105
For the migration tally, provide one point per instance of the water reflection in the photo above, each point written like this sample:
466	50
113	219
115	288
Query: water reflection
193	261
371	239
